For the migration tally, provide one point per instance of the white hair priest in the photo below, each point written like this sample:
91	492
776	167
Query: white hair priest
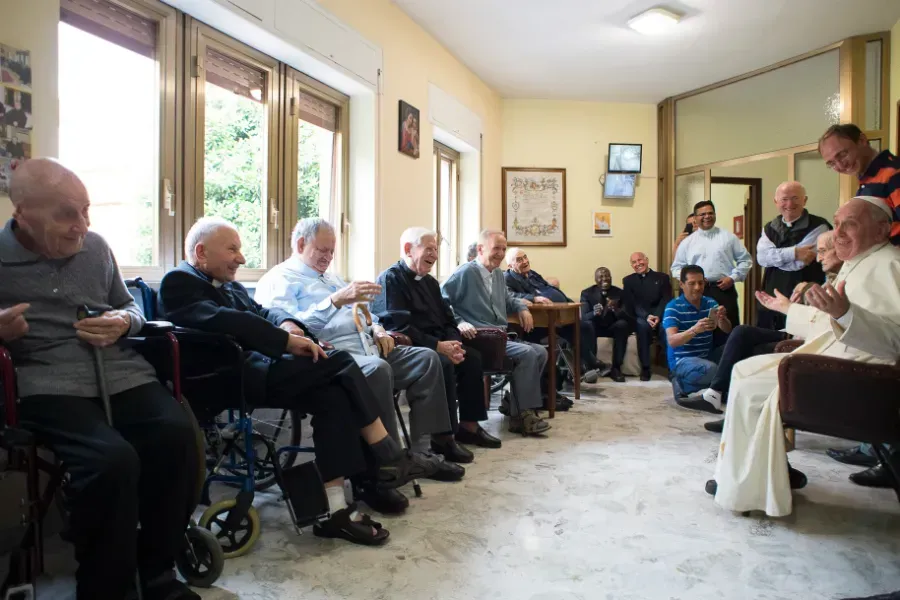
857	319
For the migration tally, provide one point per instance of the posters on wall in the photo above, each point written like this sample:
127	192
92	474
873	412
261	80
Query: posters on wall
15	111
602	224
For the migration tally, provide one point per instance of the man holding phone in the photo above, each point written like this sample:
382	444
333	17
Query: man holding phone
689	321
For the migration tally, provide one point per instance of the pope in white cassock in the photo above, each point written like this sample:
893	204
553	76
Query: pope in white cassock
857	319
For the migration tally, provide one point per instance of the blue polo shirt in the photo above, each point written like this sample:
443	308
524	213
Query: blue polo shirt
682	314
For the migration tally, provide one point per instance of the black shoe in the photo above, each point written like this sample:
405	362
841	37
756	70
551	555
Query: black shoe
616	375
797	478
852	456
876	477
645	374
479	437
452	451
715	426
442	470
602	368
404	469
711	487
386	502
696	402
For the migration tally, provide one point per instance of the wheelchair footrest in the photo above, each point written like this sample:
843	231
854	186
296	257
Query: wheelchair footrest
20	592
303	488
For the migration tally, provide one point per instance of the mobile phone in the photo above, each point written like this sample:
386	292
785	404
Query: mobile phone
688	228
714	315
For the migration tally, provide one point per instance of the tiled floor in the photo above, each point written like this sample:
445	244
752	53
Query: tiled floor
609	506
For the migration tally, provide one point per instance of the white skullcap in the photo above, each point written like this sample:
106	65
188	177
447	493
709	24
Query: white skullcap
879	202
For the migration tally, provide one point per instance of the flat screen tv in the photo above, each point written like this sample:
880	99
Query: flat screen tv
624	158
619	185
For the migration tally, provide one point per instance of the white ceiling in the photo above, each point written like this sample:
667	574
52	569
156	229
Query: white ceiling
583	49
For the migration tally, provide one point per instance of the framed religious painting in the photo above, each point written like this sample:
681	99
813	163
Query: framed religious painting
534	206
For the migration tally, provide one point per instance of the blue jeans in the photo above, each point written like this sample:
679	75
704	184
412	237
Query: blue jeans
693	374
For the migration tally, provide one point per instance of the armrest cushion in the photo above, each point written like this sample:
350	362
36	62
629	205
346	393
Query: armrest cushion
788	346
490	342
400	339
154	328
839	397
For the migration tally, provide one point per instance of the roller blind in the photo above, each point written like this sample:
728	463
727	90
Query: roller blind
112	23
235	76
316	111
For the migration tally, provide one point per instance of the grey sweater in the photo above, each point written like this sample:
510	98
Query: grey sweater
49	359
468	294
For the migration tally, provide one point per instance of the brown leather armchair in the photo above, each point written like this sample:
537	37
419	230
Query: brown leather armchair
490	342
841	398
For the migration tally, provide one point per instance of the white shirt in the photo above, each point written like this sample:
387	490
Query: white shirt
718	252
767	255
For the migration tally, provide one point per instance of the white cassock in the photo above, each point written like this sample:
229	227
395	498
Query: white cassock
751	471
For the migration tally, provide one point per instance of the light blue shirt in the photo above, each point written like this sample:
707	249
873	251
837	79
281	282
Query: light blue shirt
487	277
306	294
718	252
767	255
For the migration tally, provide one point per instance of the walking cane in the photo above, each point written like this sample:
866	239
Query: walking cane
100	370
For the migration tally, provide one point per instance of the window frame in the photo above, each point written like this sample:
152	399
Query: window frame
167	55
199	37
296	83
442	153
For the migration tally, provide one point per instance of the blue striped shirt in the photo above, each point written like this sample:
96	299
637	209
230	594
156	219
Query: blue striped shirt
682	314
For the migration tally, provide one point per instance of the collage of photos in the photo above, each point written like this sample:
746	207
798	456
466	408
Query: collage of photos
15	111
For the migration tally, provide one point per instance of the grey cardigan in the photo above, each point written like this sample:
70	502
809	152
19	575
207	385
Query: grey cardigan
467	293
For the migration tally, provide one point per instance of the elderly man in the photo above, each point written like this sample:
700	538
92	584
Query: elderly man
720	254
845	149
142	468
787	249
646	295
858	319
477	292
603	310
746	341
689	321
302	287
286	367
527	284
411	302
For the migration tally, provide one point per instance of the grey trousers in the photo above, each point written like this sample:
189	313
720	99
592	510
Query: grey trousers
418	371
529	361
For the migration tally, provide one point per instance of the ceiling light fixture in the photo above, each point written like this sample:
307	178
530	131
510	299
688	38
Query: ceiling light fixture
654	21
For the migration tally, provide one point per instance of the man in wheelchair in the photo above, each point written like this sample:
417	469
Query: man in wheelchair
142	469
286	367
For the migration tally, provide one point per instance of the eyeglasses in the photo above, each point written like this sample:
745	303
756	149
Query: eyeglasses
840	157
706	214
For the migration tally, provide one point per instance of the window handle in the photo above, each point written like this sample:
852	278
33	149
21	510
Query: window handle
168	197
273	214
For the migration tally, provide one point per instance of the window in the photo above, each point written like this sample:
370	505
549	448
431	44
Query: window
235	92
446	207
115	130
314	180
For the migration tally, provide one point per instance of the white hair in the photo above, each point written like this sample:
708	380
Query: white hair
200	232
511	254
486	234
414	236
827	238
308	229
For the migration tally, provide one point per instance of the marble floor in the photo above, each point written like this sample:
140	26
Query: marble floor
609	506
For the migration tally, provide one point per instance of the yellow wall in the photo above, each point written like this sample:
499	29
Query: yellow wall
895	84
34	28
412	59
576	136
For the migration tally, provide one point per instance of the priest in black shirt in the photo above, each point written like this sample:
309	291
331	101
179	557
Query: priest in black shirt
646	294
604	308
411	303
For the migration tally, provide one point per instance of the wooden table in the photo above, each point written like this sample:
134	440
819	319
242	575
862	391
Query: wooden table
552	316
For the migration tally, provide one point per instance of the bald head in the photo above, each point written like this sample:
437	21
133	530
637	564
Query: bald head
790	198
859	226
639	262
51	208
213	245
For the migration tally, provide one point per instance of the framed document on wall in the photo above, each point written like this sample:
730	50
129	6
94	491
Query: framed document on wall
534	206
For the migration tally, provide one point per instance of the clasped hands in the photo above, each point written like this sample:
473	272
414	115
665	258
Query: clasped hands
100	331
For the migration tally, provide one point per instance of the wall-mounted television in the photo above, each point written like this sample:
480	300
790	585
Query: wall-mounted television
624	158
619	185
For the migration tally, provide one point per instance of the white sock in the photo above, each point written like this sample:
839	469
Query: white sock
713	397
336	499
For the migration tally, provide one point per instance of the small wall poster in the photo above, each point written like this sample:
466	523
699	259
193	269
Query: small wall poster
602	222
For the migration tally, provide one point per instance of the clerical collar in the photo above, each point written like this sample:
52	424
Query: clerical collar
709	232
795	222
409	271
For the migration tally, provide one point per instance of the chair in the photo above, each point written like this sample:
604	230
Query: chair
201	560
490	342
842	398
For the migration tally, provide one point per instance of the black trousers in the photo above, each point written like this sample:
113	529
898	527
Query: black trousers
587	349
142	470
644	334
464	384
743	342
727	298
334	391
618	330
769	319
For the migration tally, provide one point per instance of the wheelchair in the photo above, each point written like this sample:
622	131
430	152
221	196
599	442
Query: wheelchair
251	449
201	560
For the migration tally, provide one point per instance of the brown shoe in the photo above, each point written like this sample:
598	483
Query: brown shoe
528	423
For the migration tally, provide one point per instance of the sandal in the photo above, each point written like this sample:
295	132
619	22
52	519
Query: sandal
341	526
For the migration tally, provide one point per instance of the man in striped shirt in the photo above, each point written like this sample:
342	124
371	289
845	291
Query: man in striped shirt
846	150
689	336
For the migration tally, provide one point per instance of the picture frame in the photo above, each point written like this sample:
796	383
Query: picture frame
534	206
602	223
624	158
738	226
619	186
408	130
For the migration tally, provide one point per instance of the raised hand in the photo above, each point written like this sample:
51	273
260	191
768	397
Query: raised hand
358	291
830	300
778	303
12	322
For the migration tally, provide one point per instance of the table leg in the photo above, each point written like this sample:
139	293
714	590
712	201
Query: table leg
577	361
551	363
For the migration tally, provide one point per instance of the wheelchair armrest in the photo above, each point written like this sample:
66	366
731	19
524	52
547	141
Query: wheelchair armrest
154	328
400	339
787	346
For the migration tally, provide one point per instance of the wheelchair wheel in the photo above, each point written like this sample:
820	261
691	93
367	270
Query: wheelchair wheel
201	560
235	541
283	428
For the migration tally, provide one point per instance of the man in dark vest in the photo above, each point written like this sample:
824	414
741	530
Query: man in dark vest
787	249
